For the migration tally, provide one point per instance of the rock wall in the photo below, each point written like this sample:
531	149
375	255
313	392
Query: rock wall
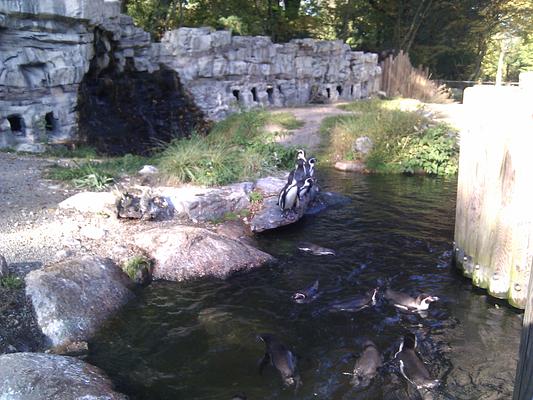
225	73
50	48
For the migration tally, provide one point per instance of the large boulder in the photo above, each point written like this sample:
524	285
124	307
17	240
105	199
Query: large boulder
183	252
74	297
37	376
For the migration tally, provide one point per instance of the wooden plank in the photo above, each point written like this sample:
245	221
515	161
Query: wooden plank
523	389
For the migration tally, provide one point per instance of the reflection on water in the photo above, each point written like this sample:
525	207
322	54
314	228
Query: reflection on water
198	340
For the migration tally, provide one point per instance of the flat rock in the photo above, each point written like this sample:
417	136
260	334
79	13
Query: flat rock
182	252
90	202
73	298
271	217
350	166
37	376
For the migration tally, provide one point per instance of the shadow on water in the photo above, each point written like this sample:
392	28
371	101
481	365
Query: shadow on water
197	340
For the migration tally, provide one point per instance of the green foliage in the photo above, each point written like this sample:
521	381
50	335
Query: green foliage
78	152
256	197
136	264
97	174
402	141
11	282
285	119
237	148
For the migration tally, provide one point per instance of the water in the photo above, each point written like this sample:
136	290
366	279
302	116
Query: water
197	340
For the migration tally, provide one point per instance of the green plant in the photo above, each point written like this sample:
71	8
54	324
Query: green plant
11	282
134	266
256	197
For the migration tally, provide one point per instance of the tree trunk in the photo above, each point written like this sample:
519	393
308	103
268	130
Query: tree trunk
499	71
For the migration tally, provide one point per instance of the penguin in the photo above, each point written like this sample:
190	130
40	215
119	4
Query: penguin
301	155
405	302
367	365
357	303
315	249
306	295
300	171
281	358
305	188
288	196
311	167
411	367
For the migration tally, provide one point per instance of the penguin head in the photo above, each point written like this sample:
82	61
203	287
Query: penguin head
368	343
299	297
312	161
425	300
301	154
308	182
409	342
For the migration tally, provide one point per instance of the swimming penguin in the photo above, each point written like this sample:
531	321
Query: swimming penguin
315	249
306	295
367	365
288	196
356	303
311	167
305	188
411	367
281	358
239	396
405	302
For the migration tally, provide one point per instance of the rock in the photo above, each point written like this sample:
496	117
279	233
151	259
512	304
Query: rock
4	271
139	269
207	204
270	215
350	166
91	202
143	207
363	145
270	186
37	376
31	148
148	170
73	298
183	252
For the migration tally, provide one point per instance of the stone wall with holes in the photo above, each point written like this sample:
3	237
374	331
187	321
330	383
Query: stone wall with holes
49	47
225	73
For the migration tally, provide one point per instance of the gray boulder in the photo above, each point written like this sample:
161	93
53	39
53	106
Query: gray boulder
182	252
4	271
363	145
73	298
270	215
37	376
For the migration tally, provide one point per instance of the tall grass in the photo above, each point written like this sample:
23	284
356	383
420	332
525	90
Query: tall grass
403	141
237	148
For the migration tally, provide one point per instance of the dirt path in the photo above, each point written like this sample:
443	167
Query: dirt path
454	114
308	136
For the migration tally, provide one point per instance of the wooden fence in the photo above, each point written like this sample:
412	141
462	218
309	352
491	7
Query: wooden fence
400	78
494	214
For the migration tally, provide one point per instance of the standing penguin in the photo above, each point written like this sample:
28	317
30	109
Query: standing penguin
367	365
281	358
288	196
306	187
311	167
411	367
300	172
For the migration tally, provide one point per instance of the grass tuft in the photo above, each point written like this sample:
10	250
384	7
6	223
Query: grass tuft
11	282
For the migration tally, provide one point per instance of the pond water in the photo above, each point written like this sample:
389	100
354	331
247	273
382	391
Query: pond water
197	340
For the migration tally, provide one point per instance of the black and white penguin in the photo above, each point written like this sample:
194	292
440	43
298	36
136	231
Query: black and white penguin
281	358
306	295
288	196
311	167
405	302
367	365
356	303
305	188
411	367
301	155
300	172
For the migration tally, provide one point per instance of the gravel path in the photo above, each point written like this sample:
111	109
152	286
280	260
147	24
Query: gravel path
308	136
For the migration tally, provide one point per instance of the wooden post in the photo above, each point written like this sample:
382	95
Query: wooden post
523	388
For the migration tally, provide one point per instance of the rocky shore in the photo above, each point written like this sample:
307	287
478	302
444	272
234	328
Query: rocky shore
73	259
